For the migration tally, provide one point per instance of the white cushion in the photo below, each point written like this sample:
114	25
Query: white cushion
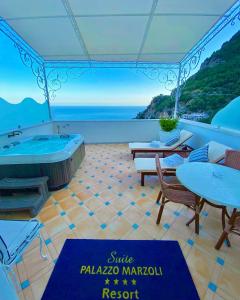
149	164
184	136
216	151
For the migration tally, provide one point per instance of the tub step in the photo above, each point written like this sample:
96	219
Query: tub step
22	183
19	202
17	194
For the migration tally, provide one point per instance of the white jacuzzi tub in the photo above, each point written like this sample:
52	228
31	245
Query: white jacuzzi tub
55	156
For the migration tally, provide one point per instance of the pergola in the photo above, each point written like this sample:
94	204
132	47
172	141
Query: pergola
163	38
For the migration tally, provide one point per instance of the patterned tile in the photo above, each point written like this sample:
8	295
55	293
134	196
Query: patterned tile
25	284
105	200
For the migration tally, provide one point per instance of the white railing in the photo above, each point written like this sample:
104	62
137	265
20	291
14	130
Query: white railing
144	130
111	131
204	133
130	131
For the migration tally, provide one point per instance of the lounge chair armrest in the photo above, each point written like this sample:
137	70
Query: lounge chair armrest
169	172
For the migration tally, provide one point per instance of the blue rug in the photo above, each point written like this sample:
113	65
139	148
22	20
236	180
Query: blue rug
114	269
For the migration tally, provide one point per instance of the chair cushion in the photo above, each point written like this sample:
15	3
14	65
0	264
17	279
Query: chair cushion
200	155
173	139
15	237
173	160
155	144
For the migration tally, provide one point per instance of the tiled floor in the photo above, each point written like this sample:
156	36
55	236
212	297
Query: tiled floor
105	200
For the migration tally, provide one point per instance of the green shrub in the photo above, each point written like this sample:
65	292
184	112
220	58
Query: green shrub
168	124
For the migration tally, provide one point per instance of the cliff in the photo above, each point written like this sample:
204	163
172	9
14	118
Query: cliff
215	84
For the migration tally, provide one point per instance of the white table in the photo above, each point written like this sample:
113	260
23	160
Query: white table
216	183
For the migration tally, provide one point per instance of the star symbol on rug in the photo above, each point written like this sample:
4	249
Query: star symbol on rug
134	282
125	282
107	281
115	281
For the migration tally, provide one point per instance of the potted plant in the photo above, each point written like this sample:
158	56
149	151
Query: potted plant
168	125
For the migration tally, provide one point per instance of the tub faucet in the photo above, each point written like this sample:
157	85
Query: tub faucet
14	132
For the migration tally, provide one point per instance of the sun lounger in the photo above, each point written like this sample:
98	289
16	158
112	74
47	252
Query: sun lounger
160	147
147	166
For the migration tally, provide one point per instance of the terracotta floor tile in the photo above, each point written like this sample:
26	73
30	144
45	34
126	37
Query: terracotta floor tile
77	214
68	203
93	204
105	200
54	226
200	264
61	194
120	227
229	281
105	214
88	227
133	214
49	213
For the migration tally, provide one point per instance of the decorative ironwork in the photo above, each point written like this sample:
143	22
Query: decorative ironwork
236	17
36	67
167	75
191	61
58	76
51	76
191	64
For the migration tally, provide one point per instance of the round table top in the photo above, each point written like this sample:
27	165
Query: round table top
216	183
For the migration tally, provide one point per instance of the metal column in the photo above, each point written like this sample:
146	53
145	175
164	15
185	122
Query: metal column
178	92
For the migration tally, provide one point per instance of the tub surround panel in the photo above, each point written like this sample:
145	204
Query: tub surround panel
58	166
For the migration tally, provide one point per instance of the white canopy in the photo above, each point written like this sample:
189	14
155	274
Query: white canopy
162	31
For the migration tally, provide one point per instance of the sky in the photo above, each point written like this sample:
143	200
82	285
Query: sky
114	86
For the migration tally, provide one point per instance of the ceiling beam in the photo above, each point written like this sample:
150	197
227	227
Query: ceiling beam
76	28
118	15
154	5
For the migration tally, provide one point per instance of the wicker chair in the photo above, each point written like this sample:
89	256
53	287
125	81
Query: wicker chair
233	226
176	193
232	160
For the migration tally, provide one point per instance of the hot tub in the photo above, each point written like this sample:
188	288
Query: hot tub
55	156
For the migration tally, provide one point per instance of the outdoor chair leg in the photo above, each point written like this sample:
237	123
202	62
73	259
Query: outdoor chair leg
162	204
197	221
223	237
224	225
227	230
142	179
159	196
193	218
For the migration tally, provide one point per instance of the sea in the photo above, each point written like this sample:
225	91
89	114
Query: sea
70	113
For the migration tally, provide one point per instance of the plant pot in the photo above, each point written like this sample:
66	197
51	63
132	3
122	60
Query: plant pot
165	135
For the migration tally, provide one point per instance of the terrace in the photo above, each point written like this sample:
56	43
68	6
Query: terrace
104	199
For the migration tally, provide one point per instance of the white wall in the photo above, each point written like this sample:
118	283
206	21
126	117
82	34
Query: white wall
204	133
111	131
130	131
145	130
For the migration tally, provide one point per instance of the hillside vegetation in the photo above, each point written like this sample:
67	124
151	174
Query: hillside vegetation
215	84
